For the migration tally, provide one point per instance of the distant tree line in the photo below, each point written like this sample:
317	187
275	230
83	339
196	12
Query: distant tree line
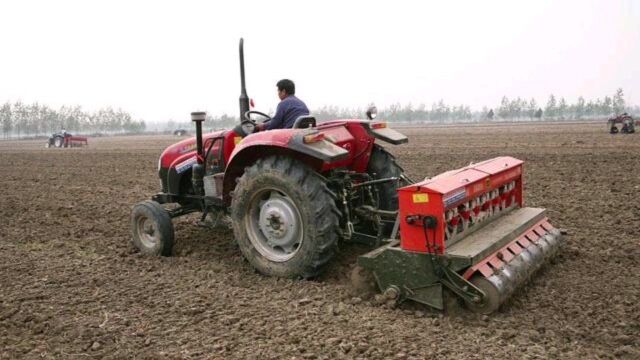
21	119
36	119
559	109
517	109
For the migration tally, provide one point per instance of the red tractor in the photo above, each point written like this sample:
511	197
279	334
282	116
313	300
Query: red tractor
628	125
293	194
64	139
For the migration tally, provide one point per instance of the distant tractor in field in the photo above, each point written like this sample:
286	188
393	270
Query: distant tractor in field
180	132
65	139
628	125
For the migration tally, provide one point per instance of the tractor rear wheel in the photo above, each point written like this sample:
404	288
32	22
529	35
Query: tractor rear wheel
383	165
284	218
152	229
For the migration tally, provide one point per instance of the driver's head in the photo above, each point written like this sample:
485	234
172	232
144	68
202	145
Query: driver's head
286	87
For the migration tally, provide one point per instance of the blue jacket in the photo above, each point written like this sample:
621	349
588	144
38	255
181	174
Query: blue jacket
287	112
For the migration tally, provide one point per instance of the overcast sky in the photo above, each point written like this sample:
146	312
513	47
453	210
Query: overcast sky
160	60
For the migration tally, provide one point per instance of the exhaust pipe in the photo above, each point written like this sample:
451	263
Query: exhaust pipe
244	98
198	117
197	169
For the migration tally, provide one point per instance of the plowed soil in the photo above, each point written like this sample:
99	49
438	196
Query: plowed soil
72	285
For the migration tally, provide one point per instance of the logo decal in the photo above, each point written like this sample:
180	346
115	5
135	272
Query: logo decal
187	148
185	165
454	196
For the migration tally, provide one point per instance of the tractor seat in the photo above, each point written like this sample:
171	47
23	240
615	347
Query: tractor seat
304	121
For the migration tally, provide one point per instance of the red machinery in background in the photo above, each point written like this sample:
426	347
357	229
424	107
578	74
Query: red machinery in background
627	122
64	139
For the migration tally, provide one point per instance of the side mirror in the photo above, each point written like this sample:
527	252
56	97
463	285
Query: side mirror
372	112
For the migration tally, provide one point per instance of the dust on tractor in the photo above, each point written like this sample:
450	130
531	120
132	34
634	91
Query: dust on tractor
64	139
293	194
627	122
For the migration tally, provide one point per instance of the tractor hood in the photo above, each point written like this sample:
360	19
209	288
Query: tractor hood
183	147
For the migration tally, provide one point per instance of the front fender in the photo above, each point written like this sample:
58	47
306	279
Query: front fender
179	167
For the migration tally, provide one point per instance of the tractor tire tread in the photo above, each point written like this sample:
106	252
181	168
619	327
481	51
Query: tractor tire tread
323	215
164	223
383	164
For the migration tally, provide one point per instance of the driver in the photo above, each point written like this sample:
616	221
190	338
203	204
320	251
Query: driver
288	110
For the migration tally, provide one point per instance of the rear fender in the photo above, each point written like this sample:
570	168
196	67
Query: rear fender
382	133
287	143
385	134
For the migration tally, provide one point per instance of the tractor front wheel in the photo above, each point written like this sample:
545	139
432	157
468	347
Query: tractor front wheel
152	229
284	218
58	141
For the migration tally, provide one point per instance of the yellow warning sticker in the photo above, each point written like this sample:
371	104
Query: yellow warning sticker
420	198
237	140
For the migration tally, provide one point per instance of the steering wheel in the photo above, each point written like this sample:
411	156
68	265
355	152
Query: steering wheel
248	125
247	115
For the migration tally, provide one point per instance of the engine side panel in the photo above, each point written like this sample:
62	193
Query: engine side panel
177	159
